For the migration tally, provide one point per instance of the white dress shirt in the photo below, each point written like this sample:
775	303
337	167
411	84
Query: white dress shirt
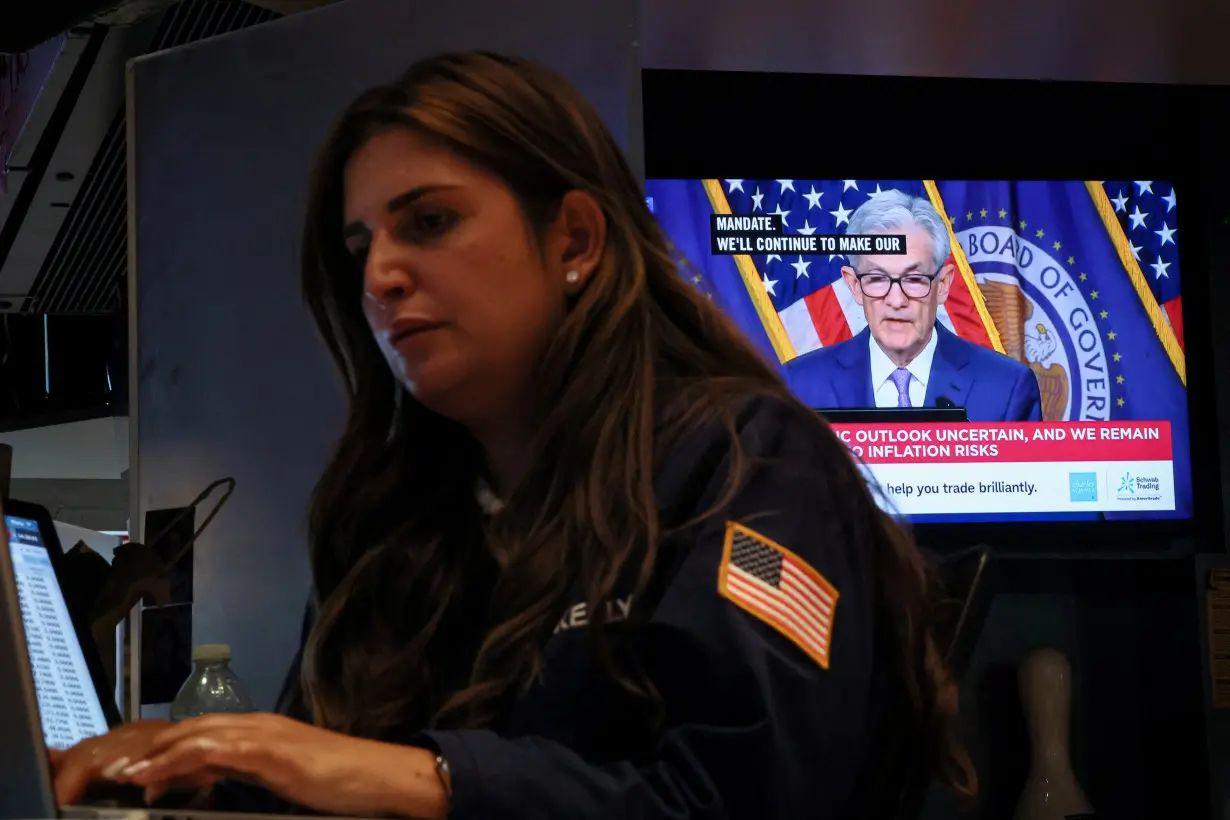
882	368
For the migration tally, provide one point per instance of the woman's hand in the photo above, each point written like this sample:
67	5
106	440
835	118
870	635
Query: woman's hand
309	766
101	758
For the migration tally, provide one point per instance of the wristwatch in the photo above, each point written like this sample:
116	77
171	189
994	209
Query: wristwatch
446	778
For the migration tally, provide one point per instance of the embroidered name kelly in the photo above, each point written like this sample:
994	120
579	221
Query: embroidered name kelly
578	614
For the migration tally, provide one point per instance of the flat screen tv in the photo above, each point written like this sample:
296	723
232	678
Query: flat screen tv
1006	335
1047	313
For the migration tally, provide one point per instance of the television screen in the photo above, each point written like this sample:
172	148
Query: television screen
989	350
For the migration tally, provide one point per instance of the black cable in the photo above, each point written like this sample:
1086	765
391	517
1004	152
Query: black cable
190	509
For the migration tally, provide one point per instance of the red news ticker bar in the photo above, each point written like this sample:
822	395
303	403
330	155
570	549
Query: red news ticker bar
955	443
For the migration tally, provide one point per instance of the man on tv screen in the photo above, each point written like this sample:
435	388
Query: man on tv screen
904	357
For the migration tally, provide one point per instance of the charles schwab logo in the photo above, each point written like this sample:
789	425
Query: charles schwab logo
1083	487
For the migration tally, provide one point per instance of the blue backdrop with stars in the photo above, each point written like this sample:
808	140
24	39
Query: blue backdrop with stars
1142	380
1148	212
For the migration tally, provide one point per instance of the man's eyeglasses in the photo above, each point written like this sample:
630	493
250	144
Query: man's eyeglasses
913	285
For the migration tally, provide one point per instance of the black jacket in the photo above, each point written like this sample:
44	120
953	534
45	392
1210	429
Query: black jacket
759	638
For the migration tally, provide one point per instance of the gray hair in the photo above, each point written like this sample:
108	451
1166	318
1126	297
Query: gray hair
893	209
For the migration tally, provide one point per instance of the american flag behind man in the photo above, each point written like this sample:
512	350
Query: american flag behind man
801	301
1149	215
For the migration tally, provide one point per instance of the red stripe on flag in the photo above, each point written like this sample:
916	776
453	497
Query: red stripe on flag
962	310
1174	310
784	612
827	315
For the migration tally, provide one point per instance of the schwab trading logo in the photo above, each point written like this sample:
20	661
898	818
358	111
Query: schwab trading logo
1139	488
1082	487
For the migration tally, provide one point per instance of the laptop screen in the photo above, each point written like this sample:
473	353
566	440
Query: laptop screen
68	703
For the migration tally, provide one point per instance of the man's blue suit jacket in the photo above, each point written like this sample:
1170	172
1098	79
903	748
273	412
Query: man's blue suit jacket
989	385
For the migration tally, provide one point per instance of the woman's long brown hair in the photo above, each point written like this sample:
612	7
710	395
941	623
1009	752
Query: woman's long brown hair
427	616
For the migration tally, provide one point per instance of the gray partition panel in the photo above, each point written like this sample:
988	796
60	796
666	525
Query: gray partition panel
230	377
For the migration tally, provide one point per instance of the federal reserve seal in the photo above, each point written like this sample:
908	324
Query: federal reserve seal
1043	320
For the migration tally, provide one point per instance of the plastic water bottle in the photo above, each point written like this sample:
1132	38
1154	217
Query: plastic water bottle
212	687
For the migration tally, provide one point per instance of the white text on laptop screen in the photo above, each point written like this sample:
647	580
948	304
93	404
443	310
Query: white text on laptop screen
67	700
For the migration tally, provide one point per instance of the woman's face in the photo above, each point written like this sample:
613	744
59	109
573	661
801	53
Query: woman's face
460	296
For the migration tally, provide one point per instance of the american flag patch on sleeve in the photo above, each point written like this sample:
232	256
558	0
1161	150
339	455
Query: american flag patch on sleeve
779	588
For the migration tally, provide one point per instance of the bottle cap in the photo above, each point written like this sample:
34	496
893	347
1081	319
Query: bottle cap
211	652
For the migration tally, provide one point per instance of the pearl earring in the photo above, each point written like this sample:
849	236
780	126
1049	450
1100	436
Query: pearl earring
572	277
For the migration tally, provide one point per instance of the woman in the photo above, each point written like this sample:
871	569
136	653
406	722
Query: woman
578	552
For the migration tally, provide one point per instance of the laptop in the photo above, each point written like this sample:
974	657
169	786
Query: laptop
52	688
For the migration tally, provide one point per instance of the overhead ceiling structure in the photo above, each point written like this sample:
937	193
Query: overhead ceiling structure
63	169
63	192
39	22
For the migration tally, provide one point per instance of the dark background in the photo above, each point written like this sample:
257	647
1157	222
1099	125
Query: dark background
80	373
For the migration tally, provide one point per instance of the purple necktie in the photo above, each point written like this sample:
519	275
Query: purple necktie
901	378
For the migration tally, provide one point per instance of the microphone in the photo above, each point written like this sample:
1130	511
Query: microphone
945	403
